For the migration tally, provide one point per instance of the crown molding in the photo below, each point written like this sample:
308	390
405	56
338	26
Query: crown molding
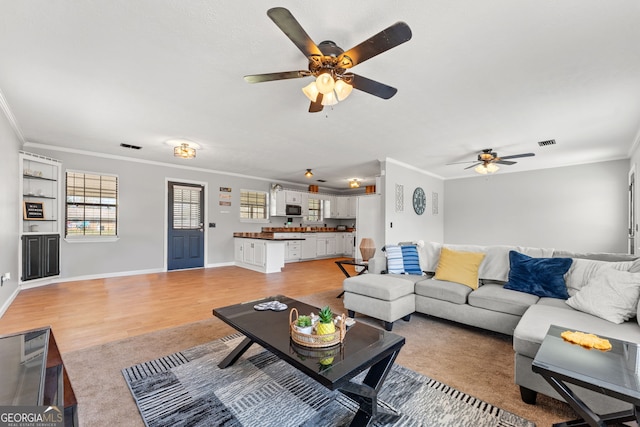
4	106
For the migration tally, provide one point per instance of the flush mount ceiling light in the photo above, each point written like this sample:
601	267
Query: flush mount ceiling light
354	183
184	151
183	148
308	173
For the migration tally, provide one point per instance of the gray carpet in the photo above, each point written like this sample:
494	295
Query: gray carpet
188	389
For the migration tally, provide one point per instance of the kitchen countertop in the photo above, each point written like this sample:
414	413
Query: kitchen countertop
264	236
306	230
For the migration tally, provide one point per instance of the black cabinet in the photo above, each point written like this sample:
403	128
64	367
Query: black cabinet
40	256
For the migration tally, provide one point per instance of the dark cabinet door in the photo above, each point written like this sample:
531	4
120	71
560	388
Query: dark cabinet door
31	257
51	255
40	256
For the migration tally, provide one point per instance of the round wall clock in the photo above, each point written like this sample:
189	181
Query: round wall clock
419	201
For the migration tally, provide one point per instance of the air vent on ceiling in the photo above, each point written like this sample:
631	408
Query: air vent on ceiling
133	147
548	142
321	180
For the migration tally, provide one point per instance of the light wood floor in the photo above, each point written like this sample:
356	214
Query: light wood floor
86	313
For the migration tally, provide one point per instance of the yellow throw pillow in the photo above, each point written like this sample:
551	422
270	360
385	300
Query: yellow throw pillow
459	267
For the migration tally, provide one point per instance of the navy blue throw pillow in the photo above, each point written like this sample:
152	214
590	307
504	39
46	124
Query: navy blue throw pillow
543	277
411	260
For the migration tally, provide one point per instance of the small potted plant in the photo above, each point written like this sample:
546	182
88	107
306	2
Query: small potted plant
325	325
304	325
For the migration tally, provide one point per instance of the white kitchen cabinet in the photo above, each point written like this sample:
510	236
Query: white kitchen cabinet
293	197
325	244
340	243
321	247
309	246
349	244
293	248
278	203
266	256
343	207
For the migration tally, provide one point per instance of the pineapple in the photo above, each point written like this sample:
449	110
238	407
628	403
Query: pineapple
325	325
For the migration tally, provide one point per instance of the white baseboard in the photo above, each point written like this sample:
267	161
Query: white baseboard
8	302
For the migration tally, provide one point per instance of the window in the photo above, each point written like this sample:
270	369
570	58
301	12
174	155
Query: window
186	208
253	205
315	210
91	207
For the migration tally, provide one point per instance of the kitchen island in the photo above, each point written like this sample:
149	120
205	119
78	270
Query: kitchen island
261	252
268	250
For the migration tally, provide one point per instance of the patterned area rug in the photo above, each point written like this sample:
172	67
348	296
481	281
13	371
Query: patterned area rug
188	389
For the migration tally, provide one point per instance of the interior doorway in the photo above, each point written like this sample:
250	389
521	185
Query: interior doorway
185	232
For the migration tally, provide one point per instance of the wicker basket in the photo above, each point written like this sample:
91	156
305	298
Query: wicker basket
312	340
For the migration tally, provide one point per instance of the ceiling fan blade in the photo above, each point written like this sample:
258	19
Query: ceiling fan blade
459	163
292	28
316	106
386	39
373	87
504	162
269	77
516	156
473	165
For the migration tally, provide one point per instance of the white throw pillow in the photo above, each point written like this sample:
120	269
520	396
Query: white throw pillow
610	294
582	270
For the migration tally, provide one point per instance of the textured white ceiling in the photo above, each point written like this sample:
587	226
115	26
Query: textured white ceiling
501	74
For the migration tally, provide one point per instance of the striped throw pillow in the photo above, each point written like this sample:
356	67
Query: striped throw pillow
394	259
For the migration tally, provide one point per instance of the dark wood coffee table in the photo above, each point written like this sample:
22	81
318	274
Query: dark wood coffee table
614	373
364	347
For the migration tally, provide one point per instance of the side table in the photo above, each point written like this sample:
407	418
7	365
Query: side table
613	373
355	262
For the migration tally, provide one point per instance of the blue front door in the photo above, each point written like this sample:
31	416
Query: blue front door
186	226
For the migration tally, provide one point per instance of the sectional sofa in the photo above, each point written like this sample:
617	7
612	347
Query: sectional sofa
496	300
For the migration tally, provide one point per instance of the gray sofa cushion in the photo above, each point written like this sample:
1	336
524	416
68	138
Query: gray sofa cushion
536	320
555	302
380	286
413	278
443	290
496	298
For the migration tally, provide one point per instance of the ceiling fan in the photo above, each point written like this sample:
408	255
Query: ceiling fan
487	158
328	63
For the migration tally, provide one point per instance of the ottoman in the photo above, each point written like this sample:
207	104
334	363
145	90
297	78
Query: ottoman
380	296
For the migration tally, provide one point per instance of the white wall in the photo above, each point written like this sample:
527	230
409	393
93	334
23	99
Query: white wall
404	224
9	211
580	208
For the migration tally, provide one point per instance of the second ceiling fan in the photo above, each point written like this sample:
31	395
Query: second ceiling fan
328	63
487	158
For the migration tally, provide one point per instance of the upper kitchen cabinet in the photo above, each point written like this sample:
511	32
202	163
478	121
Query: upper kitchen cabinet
293	197
343	207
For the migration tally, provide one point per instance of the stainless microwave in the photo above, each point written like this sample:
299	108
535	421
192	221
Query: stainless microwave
293	210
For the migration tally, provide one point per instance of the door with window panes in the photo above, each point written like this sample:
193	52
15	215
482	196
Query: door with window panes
186	226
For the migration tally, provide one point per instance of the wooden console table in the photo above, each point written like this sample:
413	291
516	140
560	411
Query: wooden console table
33	373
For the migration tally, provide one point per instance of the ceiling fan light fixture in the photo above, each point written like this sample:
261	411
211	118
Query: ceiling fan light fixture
486	168
325	83
343	89
354	183
308	173
311	91
329	99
